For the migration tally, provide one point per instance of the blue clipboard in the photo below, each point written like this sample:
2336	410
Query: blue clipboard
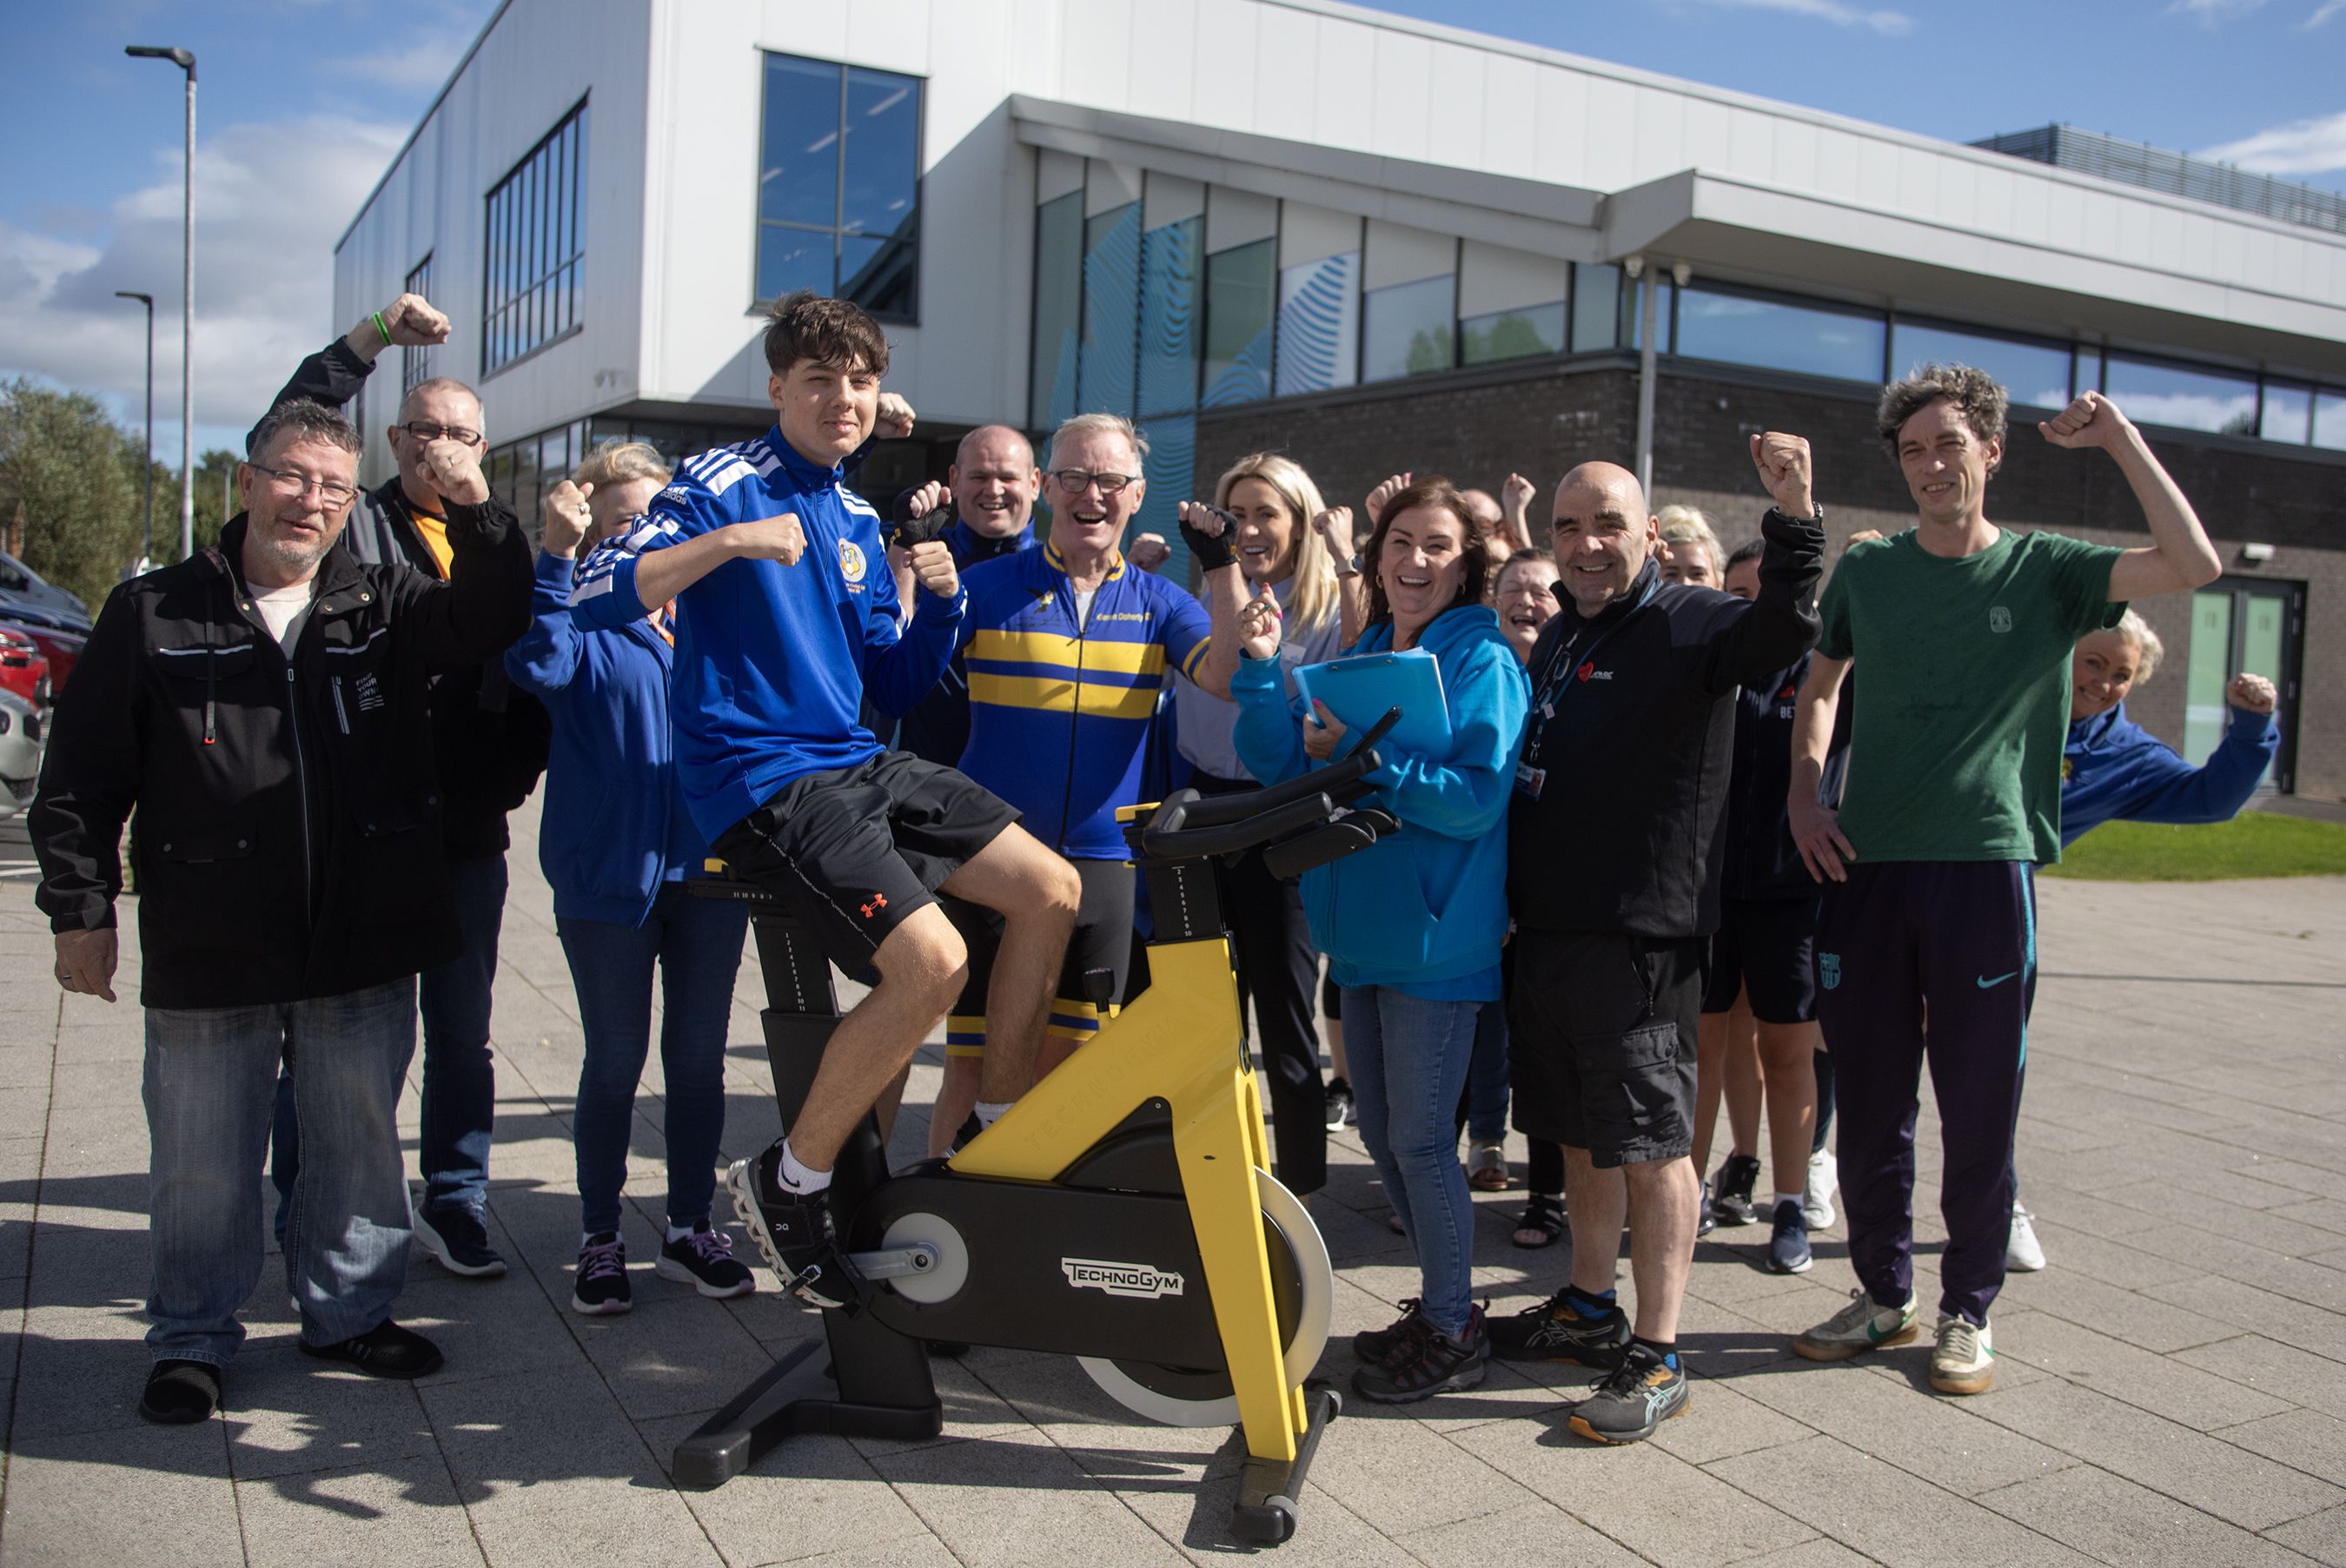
1362	689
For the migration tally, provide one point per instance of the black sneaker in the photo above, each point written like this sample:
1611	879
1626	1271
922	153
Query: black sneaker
1730	1191
1705	1222
793	1232
1428	1363
385	1350
602	1290
1554	1331
1788	1250
1377	1345
456	1236
705	1261
1643	1392
1341	1111
180	1392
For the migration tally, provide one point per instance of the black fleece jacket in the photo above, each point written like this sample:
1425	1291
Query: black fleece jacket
1631	735
288	840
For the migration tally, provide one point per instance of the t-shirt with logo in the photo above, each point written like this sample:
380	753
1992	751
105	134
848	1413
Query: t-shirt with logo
1956	750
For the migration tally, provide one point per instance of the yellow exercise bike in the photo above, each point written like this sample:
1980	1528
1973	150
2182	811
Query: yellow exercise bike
1122	1212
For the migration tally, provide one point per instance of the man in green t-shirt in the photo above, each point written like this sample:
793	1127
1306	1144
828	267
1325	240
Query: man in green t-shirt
1952	798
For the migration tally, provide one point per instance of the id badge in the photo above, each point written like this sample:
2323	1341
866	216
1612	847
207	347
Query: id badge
1530	780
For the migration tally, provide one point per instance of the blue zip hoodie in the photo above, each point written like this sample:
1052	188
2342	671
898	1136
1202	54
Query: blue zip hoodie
1426	910
2114	769
773	661
614	827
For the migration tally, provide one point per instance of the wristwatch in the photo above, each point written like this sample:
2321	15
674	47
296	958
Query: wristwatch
1348	568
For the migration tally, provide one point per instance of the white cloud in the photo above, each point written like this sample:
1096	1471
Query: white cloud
423	65
2313	145
2326	10
1890	23
2214	13
270	200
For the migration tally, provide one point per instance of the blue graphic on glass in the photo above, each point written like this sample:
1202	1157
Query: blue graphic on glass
1319	325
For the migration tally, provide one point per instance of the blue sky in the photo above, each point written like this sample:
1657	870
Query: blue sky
302	103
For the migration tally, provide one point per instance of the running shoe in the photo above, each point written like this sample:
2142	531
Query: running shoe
2023	1253
1554	1331
1428	1364
1788	1249
602	1290
705	1261
1730	1189
1642	1393
456	1236
1963	1359
1375	1345
1825	1181
792	1231
1705	1222
1341	1111
1858	1328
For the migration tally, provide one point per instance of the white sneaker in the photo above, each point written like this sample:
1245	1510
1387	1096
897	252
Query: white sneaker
2023	1253
1964	1360
1824	1180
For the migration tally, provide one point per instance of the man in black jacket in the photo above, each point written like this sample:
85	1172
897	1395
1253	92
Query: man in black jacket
491	741
263	707
1614	869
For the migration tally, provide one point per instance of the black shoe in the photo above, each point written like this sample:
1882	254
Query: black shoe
456	1236
1731	1199
1341	1111
180	1393
965	1134
1428	1363
1788	1250
1554	1330
1705	1222
951	1349
602	1290
793	1232
1378	1345
1643	1392
705	1261
385	1350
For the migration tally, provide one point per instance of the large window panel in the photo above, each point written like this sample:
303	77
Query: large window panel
880	152
415	360
1511	335
1058	309
2288	413
535	246
1596	308
1239	292
1319	325
2154	391
2034	373
1407	328
799	179
1511	303
1170	339
1172	454
1741	330
839	185
2330	418
1106	382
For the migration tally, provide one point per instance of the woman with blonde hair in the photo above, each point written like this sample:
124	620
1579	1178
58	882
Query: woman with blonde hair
1690	550
1296	551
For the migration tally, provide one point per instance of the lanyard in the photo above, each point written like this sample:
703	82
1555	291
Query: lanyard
1557	680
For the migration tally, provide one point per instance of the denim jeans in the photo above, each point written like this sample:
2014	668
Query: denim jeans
697	943
210	1079
1486	1076
1409	1058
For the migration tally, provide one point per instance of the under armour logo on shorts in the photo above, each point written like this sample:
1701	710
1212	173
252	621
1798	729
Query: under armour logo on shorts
879	902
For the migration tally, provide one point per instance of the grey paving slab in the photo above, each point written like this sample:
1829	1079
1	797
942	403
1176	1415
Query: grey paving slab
2302	1440
1018	1498
401	1511
110	1497
2116	1520
2167	1384
2319	1536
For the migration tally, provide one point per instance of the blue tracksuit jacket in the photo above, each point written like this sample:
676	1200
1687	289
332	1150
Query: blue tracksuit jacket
2113	768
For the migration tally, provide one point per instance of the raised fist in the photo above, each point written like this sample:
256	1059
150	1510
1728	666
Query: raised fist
1514	505
1149	552
568	518
413	323
1375	504
769	539
1258	626
2253	692
893	420
455	473
933	568
2091	420
1783	465
1334	526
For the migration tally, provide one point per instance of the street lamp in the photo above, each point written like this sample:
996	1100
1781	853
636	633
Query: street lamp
146	551
185	61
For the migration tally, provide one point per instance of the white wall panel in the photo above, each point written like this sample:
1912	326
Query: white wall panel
1510	116
1165	57
1341	68
1453	109
1395	105
1230	64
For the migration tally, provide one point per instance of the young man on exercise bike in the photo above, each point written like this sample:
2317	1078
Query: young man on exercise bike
786	612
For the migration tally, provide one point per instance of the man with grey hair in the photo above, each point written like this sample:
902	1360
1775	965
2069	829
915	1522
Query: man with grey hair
262	708
491	741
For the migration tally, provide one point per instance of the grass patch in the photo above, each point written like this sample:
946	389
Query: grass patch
2253	844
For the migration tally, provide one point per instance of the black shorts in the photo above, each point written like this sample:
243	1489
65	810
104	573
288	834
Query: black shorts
854	851
1602	1042
1767	946
1101	945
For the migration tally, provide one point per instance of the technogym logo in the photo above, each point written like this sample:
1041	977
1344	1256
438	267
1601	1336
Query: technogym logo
1136	1279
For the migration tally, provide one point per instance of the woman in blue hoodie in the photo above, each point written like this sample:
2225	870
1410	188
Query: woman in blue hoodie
618	845
1413	926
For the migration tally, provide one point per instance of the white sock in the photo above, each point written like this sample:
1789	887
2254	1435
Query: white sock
800	1179
1794	1199
678	1232
990	1111
587	1238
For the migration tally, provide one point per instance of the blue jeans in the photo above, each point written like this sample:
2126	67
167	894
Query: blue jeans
210	1076
1486	1076
696	942
1409	1058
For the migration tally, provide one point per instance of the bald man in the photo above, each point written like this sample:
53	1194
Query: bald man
1613	876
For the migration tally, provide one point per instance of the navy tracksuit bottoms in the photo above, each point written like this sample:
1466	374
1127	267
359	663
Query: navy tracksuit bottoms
1928	961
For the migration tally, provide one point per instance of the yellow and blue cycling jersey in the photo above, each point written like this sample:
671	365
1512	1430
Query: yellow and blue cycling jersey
1059	711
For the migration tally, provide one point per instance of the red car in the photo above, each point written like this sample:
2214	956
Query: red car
62	649
23	667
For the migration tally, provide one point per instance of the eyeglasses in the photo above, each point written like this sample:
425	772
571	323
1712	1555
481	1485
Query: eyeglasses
425	430
1076	481
290	482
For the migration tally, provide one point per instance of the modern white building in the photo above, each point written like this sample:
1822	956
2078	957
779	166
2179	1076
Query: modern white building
1375	241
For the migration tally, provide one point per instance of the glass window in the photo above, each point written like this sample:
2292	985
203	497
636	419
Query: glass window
1239	316
1319	325
1633	311
2087	376
415	362
839	183
1105	376
1405	330
2330	418
1512	334
1172	454
536	242
1058	309
2288	413
1596	308
2034	373
1740	330
1168	316
2153	391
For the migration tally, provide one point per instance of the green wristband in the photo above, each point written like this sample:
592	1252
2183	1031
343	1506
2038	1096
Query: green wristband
383	329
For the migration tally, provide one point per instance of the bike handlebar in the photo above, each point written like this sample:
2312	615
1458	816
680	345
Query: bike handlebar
1361	761
1188	826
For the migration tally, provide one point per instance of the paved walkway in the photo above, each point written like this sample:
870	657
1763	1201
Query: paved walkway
2172	1389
